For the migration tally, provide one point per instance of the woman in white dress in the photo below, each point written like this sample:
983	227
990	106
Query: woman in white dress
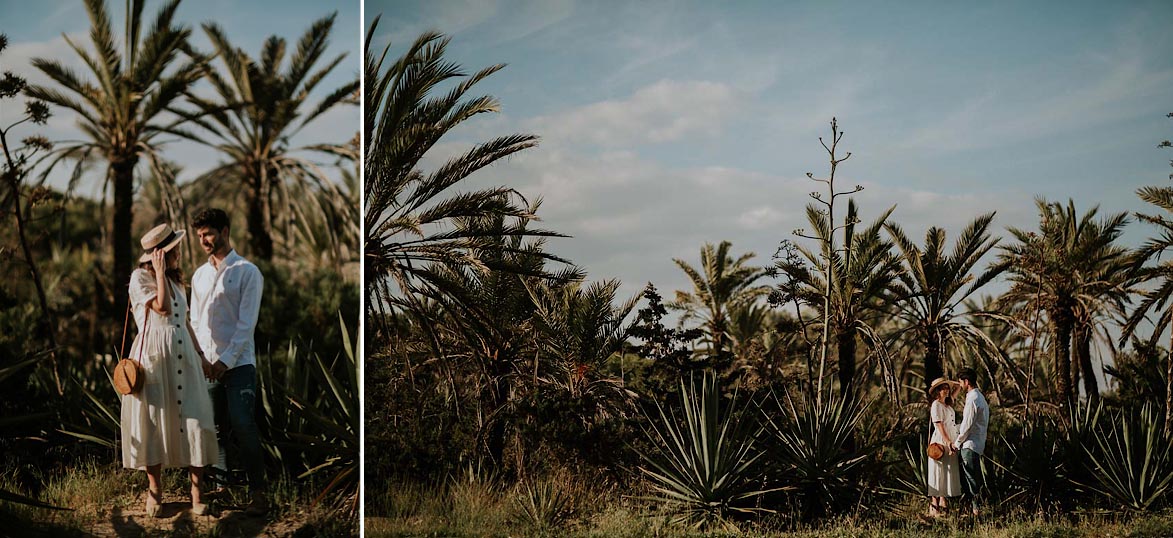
944	475
170	421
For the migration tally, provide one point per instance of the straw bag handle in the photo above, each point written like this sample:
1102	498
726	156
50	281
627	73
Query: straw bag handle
126	322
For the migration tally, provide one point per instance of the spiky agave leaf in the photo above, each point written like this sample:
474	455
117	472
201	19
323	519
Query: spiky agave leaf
1132	460
818	450
704	463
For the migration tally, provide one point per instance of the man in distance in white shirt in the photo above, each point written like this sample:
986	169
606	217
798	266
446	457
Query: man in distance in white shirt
971	438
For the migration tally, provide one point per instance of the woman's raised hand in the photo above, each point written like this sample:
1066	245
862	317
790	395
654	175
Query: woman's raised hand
159	261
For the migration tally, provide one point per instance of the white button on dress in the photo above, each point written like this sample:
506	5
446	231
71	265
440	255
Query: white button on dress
170	422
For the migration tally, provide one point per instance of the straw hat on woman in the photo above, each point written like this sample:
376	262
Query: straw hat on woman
170	422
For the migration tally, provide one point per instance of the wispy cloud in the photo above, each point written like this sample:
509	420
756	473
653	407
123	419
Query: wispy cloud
484	16
1105	86
664	111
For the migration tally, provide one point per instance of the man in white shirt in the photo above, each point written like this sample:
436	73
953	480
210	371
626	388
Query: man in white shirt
226	299
971	438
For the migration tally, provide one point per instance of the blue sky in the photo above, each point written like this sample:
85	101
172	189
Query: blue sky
669	124
35	30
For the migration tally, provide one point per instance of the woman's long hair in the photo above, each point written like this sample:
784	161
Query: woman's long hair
948	398
174	274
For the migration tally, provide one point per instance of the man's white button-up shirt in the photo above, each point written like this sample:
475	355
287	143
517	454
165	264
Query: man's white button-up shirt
225	303
972	434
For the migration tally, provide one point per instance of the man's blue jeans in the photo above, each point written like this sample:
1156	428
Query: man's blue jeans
234	398
972	480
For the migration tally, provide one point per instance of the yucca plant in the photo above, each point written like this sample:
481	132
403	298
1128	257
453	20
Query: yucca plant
705	462
96	421
818	451
1033	466
1131	460
313	417
543	504
9	421
909	478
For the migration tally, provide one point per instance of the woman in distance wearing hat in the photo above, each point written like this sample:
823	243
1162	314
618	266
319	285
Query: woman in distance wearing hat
170	421
944	474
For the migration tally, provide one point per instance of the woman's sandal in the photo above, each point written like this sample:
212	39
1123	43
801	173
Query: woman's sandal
199	509
154	504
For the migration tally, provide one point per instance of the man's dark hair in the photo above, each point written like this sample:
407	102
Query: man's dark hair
969	375
214	218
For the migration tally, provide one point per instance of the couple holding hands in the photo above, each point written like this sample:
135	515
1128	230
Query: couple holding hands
955	467
198	364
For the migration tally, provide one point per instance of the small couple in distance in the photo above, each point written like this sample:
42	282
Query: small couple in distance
955	452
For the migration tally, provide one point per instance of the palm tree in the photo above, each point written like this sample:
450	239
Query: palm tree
259	108
1059	268
1015	360
578	328
126	109
862	272
722	284
1157	299
408	221
934	284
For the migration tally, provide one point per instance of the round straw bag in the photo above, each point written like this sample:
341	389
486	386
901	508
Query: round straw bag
128	373
935	450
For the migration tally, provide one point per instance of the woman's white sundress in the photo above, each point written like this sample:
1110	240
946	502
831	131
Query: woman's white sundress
944	476
170	422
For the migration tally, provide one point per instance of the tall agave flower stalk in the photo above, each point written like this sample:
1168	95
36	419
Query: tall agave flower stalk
827	241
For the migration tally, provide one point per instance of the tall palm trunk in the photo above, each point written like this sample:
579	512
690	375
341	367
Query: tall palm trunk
933	368
121	173
1062	323
1083	357
845	338
718	328
259	210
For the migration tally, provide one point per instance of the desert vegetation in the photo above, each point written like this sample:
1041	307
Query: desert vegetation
508	394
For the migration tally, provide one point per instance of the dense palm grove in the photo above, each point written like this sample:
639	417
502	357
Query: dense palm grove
792	386
68	257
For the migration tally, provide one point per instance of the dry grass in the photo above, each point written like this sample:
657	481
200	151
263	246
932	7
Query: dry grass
106	500
485	509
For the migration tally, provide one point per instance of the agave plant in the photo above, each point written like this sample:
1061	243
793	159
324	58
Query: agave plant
9	421
704	463
1131	460
1033	466
313	416
543	504
818	452
910	479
